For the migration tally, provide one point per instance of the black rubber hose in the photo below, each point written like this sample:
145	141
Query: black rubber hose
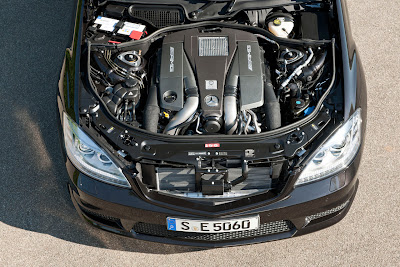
271	104
103	66
152	110
310	71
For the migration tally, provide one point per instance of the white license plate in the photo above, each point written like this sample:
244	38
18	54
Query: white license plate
213	226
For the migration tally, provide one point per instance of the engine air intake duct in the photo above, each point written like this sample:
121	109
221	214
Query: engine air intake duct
245	76
172	81
271	104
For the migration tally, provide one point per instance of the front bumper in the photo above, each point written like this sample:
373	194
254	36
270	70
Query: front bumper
306	209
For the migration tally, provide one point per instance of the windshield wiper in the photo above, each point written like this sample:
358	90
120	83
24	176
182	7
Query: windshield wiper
196	13
231	5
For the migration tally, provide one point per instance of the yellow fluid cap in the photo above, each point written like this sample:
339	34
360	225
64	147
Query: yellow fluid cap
277	22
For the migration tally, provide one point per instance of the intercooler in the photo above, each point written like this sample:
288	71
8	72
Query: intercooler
213	47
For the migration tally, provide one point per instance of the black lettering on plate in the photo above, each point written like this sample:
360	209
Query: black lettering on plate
217	227
246	224
203	227
185	226
227	226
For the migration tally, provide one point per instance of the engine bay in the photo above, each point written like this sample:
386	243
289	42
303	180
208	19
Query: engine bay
157	69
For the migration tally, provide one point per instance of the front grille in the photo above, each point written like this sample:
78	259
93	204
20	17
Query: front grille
264	230
326	213
104	219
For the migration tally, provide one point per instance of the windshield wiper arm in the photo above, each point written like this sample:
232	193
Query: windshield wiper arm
231	5
195	13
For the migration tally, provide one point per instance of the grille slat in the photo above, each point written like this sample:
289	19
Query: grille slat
264	230
98	215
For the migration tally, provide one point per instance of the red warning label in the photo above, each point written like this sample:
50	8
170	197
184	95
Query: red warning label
212	145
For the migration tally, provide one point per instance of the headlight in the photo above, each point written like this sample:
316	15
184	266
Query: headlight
336	154
88	157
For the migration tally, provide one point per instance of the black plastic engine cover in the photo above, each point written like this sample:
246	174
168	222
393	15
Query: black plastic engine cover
210	55
171	90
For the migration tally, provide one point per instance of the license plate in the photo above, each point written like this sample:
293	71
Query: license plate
213	226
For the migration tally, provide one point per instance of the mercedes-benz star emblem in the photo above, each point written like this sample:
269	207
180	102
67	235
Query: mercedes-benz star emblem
211	100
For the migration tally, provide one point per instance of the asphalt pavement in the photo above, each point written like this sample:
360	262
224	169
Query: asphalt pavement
39	226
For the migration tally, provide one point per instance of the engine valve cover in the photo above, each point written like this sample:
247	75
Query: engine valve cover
211	55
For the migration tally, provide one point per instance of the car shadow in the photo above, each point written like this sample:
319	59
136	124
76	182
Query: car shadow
33	191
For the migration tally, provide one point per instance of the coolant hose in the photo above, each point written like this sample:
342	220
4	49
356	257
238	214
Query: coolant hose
271	104
152	110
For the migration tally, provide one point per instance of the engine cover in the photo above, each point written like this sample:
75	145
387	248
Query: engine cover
212	55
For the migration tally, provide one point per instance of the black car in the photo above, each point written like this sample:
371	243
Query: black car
212	123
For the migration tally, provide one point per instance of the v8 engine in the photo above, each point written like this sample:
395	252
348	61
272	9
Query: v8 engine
216	72
215	78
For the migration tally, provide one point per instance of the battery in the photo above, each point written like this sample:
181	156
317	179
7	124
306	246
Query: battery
133	30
